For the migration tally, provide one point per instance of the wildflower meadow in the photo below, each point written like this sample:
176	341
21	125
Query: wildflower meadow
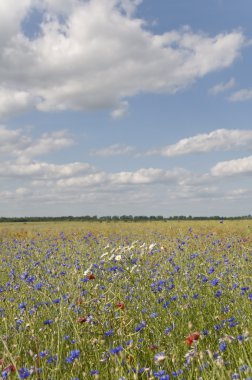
122	301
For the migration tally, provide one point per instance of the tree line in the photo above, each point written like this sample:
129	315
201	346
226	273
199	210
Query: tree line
115	218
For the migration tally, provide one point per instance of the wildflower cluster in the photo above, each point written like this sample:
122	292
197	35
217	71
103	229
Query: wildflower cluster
157	302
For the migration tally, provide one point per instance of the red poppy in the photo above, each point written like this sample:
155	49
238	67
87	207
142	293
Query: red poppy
153	347
10	368
79	301
192	338
120	305
81	320
91	276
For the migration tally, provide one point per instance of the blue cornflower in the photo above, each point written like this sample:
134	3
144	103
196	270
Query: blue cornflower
24	275
94	372
30	279
215	281
166	304
218	293
129	342
109	333
51	359
116	350
240	338
140	326
22	305
48	322
43	354
243	367
159	373
177	373
57	300
167	330
38	286
233	324
74	354
193	255
235	376
153	315
223	346
245	288
24	373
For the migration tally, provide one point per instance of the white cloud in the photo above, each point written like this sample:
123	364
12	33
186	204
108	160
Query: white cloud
41	170
120	111
222	87
12	140
129	6
233	167
143	176
113	150
220	139
12	101
20	144
46	143
241	95
99	56
11	14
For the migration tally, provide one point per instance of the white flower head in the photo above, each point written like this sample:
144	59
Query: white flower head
118	258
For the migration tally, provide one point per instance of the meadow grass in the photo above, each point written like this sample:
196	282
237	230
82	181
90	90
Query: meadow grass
152	300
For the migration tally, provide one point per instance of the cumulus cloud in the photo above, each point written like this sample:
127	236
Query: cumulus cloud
98	54
233	167
41	170
20	144
12	101
12	13
113	150
47	143
220	139
241	95
143	176
222	87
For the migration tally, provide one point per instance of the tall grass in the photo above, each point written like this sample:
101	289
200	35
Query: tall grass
126	301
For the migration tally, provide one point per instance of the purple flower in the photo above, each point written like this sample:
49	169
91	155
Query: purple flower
74	354
48	322
22	305
140	326
116	350
94	372
109	333
24	373
223	346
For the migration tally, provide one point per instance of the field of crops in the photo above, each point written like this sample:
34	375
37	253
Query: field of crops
155	300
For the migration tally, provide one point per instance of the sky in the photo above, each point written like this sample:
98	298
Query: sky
125	107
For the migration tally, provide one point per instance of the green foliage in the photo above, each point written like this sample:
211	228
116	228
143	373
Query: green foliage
114	301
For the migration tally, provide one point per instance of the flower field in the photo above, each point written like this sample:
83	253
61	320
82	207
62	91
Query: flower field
161	300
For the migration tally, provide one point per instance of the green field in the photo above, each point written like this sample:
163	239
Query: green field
151	300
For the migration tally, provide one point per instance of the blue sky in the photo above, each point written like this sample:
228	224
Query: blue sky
112	107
